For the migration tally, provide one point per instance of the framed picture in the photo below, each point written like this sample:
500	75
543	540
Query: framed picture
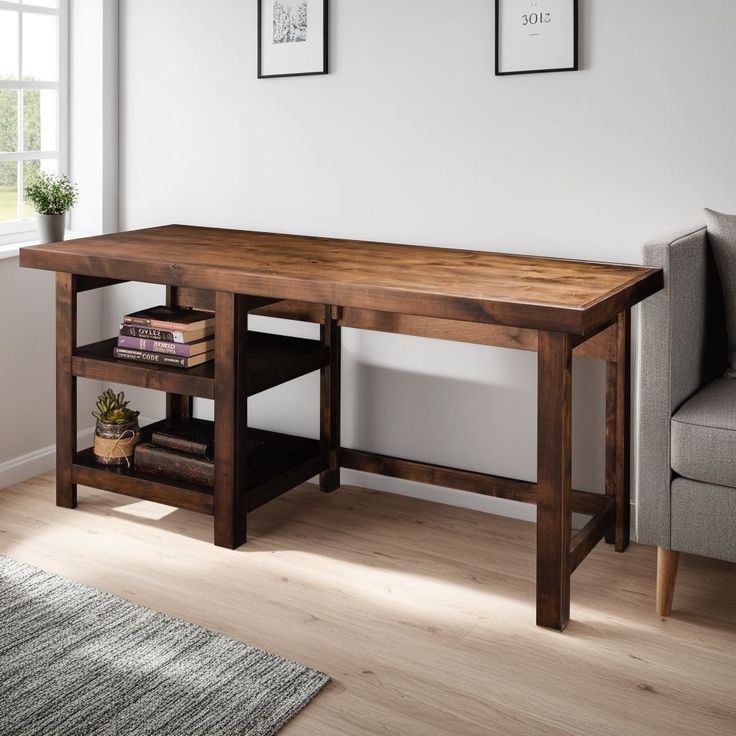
536	36
292	38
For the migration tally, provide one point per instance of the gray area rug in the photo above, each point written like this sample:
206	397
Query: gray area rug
75	661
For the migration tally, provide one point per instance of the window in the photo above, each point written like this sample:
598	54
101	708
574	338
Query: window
33	102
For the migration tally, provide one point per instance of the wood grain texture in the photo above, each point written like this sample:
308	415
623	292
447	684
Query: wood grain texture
554	480
276	463
601	346
582	502
618	433
66	388
473	286
285	482
273	360
420	612
550	305
205	299
329	401
586	539
89	283
87	472
668	562
231	421
96	361
178	406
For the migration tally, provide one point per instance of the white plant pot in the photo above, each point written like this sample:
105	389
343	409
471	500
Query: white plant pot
51	227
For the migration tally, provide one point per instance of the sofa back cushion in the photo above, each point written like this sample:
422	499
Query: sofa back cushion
722	236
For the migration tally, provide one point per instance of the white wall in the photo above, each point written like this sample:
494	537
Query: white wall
27	370
93	118
27	382
412	139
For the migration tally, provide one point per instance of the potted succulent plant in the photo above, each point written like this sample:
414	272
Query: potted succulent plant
51	196
117	431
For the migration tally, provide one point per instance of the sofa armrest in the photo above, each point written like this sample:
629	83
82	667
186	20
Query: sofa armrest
672	364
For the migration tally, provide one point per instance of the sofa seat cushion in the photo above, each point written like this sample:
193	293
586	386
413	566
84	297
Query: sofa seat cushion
704	435
703	519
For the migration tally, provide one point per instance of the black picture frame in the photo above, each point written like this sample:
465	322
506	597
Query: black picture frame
576	30
325	50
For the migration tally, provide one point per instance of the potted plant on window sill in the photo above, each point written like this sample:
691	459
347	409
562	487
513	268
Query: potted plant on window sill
51	196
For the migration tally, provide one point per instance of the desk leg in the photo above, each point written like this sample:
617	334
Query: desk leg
178	406
618	410
554	466
231	420
329	480
66	388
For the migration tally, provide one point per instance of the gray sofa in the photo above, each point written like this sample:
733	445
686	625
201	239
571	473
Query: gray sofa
686	431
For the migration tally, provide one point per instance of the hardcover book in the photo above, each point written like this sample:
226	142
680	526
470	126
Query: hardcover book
144	356
171	318
152	333
185	350
191	436
188	468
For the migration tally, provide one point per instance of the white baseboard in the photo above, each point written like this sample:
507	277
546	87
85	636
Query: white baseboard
18	469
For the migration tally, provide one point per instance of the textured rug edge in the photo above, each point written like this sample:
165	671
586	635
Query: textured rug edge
167	616
320	679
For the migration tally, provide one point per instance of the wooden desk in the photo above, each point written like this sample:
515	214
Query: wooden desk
556	307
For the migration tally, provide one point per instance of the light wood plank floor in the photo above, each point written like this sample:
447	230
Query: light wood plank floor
422	614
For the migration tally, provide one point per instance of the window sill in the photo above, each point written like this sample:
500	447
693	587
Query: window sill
10	250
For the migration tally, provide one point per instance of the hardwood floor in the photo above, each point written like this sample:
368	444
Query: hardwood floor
423	614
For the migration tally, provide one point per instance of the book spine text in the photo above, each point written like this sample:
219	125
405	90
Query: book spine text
148	357
154	346
149	333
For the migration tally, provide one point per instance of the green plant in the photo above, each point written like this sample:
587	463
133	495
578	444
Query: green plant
51	195
114	409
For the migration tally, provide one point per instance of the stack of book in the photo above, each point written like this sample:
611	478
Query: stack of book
175	336
182	449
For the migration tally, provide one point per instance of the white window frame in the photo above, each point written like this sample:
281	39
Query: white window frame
20	230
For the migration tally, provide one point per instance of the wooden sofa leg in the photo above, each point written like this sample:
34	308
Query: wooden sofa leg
667	561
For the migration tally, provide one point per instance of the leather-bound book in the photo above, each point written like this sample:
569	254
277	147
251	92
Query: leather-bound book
191	436
176	465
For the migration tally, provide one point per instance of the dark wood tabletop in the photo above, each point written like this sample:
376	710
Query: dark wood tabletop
476	286
549	305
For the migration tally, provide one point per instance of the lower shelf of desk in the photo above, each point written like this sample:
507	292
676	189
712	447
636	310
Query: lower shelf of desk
280	462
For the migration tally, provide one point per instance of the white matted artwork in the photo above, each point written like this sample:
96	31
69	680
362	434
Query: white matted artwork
292	37
536	36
